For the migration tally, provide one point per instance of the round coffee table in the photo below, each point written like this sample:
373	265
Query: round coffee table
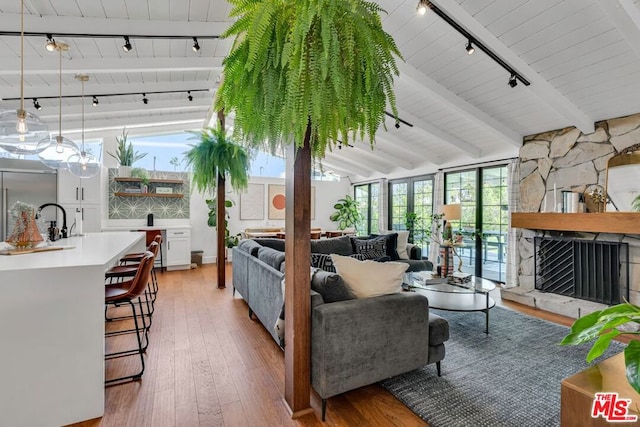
472	296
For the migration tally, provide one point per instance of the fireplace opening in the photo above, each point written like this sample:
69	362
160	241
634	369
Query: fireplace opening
592	270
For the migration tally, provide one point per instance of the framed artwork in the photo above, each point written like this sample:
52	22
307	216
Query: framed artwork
278	201
252	202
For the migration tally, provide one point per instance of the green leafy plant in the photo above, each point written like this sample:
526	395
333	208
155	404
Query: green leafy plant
125	154
142	174
605	325
318	67
635	205
214	159
347	213
229	240
411	219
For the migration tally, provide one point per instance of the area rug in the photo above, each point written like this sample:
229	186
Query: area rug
510	377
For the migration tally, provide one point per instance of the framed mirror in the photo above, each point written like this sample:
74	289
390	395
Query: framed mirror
623	180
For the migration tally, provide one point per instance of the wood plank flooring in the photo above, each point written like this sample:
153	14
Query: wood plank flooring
208	364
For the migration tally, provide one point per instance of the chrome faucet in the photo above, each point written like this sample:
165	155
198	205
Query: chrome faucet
63	230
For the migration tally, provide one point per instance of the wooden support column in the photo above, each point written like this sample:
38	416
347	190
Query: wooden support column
297	350
221	215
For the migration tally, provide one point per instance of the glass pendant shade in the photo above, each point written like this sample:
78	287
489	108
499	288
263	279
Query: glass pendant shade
56	151
21	133
83	165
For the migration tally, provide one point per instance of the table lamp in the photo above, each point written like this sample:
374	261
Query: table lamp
450	212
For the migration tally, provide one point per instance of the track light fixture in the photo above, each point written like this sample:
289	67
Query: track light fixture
127	44
470	48
422	7
36	104
196	46
189	97
95	101
144	99
51	43
101	95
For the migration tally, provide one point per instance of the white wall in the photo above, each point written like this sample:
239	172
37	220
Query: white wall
203	237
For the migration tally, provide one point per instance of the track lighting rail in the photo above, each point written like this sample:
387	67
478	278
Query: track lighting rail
426	5
98	95
108	36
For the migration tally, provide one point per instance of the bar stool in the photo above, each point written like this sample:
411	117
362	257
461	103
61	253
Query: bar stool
128	270
119	296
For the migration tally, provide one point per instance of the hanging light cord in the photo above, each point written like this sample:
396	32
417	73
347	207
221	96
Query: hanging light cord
82	154
21	54
60	104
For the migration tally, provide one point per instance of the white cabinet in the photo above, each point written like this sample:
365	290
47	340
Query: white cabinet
178	249
72	189
90	214
82	195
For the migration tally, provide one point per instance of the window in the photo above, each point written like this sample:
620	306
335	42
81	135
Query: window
412	198
482	194
368	198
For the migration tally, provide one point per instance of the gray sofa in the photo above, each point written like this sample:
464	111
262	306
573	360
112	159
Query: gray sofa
354	342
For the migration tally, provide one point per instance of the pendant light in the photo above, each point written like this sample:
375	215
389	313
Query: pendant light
84	164
55	151
20	131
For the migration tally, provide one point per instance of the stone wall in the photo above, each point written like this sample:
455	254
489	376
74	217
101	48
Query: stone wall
576	162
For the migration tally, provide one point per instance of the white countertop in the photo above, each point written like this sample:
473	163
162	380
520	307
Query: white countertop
91	249
143	227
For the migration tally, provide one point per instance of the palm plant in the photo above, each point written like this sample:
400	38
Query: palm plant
307	73
215	159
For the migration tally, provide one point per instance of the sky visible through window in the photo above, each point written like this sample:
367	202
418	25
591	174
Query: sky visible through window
164	149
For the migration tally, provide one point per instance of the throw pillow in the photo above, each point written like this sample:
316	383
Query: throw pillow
391	240
369	278
371	248
323	262
330	285
403	240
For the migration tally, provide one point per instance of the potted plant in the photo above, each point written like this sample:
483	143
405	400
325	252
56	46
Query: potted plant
214	159
142	174
347	213
602	326
125	155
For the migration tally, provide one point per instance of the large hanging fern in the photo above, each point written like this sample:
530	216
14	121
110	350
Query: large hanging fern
216	153
325	63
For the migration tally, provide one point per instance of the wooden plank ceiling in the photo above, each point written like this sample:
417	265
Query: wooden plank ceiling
581	57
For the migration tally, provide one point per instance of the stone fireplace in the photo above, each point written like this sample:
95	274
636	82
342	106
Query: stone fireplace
569	160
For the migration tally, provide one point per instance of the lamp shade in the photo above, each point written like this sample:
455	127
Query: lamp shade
21	131
57	151
83	165
452	212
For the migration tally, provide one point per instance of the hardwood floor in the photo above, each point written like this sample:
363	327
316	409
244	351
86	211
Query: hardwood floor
208	364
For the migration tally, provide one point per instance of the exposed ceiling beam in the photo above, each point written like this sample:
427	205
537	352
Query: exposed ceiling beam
191	120
540	87
432	131
387	155
625	15
362	157
105	89
341	162
326	167
49	65
110	26
421	83
410	149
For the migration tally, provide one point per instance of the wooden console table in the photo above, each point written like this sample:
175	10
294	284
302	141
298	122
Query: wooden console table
578	391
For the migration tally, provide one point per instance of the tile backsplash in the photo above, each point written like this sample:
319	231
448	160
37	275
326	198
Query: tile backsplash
136	206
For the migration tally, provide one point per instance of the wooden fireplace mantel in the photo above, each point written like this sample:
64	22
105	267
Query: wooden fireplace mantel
606	222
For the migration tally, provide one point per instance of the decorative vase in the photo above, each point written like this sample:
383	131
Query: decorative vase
124	171
25	232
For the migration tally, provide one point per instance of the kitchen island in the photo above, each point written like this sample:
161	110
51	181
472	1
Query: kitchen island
52	329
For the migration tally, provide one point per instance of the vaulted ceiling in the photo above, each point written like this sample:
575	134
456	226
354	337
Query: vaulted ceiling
582	58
